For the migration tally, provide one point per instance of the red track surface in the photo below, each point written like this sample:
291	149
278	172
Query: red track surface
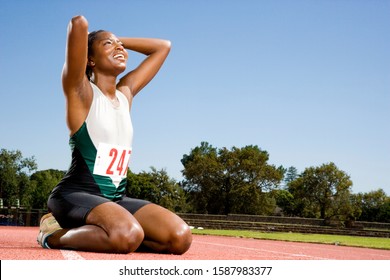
19	243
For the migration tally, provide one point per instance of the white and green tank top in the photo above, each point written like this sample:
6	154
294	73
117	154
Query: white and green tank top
102	146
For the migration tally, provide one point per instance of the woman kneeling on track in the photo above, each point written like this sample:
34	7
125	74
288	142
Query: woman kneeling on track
88	209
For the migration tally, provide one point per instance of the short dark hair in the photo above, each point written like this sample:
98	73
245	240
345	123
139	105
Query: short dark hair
91	39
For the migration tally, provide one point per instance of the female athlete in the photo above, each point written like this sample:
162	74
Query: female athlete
88	209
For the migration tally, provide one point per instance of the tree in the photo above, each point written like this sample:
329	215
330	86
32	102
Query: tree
290	175
156	186
384	212
374	205
285	200
222	181
41	184
322	192
14	177
198	167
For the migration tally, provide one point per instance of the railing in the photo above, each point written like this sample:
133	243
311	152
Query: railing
14	216
283	224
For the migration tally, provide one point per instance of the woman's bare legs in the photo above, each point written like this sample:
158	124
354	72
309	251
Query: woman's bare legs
110	228
164	231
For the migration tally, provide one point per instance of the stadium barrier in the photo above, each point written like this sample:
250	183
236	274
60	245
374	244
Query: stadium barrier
284	224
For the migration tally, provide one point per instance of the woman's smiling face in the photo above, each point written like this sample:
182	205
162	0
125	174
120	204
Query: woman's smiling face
108	54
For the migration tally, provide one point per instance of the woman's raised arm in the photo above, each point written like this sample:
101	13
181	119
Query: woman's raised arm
75	83
73	74
156	51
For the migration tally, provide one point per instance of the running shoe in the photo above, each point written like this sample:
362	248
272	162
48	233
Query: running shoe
48	226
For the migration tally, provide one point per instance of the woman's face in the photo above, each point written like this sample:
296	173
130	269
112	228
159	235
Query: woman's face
109	55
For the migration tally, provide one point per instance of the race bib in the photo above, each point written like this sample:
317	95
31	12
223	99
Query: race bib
112	161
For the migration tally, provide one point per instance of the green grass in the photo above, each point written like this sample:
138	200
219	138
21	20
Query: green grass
341	240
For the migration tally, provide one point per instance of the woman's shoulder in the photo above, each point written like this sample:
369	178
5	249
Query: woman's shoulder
125	92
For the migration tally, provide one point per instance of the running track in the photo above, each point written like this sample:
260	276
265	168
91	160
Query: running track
19	243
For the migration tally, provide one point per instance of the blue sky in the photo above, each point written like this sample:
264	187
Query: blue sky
307	81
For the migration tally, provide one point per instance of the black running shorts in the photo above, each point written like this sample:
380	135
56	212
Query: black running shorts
71	208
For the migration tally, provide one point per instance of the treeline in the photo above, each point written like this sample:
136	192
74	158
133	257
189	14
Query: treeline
217	181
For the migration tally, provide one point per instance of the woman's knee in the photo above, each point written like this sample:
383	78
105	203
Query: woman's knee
125	239
180	240
123	233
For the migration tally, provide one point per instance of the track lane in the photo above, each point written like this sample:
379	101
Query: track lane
19	243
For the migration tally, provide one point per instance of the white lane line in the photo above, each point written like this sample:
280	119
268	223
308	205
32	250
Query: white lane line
262	250
71	255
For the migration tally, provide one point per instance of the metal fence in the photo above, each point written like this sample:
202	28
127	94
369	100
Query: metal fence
14	216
